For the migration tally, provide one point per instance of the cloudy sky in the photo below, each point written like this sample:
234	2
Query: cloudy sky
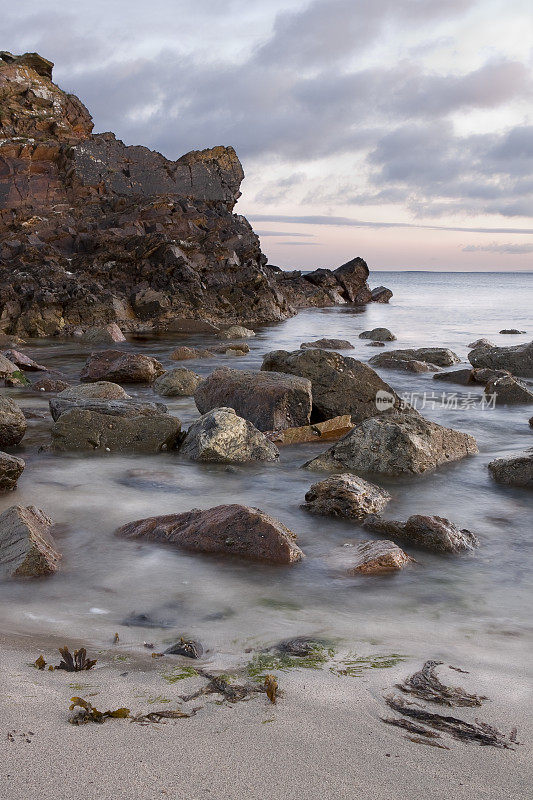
398	130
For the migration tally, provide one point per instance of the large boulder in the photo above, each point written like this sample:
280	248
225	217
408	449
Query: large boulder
328	344
27	549
11	469
514	471
222	436
429	533
352	277
346	496
178	382
508	390
378	335
395	444
517	359
340	384
12	422
271	401
113	408
227	529
83	430
107	334
398	359
120	367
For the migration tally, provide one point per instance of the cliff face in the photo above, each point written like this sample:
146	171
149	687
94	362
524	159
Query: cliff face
94	231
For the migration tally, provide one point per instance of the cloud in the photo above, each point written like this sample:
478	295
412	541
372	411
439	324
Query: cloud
508	249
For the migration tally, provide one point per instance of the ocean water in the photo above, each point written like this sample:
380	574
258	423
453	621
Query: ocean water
440	606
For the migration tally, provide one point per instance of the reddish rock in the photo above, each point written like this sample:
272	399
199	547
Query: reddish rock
49	384
119	367
23	362
227	529
328	431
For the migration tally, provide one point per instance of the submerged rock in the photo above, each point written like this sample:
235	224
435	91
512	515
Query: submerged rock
514	471
12	423
270	401
378	335
101	390
120	367
222	436
377	557
108	334
301	646
430	533
226	529
11	469
346	496
397	359
381	294
328	344
83	429
178	382
517	359
232	349
188	648
27	550
512	331
236	332
509	391
188	353
396	444
481	343
463	377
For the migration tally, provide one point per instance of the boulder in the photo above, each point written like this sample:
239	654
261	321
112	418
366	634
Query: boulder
352	278
512	331
84	430
47	383
222	436
113	408
17	380
340	384
108	334
463	377
429	533
12	422
391	362
227	530
101	390
509	391
327	431
514	471
27	549
483	376
377	557
375	344
188	353
236	332
23	362
517	359
7	367
232	349
119	367
380	294
378	335
395	444
439	356
346	496
328	344
481	343
271	401
11	469
179	382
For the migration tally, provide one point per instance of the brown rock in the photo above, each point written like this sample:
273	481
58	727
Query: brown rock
108	334
378	335
81	429
509	391
12	423
188	353
7	368
328	344
46	383
226	529
119	367
100	390
434	357
27	549
178	382
377	557
429	533
463	377
328	431
11	469
346	496
381	294
23	362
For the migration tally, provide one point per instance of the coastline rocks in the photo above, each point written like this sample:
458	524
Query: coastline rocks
328	344
23	362
346	496
429	533
11	468
340	384
380	294
222	436
377	557
378	335
7	368
389	361
481	343
394	445
236	332
178	382
517	359
271	401
101	390
113	408
509	391
12	422
108	334
188	353
226	529
27	550
323	287
47	383
83	430
188	648
438	356
514	471
463	377
352	278
119	367
231	349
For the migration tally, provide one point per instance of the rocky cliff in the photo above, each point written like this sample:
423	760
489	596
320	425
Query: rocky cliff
94	231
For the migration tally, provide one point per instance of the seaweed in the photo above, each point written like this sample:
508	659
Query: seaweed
271	687
430	742
354	666
425	685
412	727
220	684
263	663
163	714
77	662
179	674
88	713
116	638
39	663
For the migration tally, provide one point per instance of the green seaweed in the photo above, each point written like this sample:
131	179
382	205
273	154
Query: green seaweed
159	699
354	666
179	674
264	663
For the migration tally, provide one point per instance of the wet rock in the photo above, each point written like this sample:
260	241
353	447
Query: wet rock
375	344
327	431
514	471
12	423
270	401
160	618
352	277
232	349
27	550
222	436
23	362
301	646
340	384
189	353
381	294
463	377
394	445
391	362
17	380
376	558
7	368
83	430
483	376
481	343
378	335
429	533
517	359
512	331
226	529
438	356
8	340
346	496
108	334
509	391
328	344
100	390
236	332
188	648
114	408
179	382
11	469
47	383
119	367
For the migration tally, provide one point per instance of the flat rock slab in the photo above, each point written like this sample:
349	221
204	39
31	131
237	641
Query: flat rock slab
227	529
394	445
517	359
27	550
439	356
112	408
463	377
12	423
378	557
346	496
100	390
269	401
328	344
11	469
327	431
120	367
224	437
514	471
429	533
83	430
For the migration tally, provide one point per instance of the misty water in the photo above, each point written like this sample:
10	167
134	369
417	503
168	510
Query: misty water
440	606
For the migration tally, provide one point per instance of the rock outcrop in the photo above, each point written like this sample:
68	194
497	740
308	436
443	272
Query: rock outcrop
223	437
27	549
345	496
428	533
94	232
328	344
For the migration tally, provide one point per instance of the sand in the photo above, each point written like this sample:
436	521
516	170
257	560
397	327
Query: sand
323	739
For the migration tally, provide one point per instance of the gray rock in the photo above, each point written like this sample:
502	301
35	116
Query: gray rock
340	384
328	344
481	343
120	367
108	334
375	344
517	359
381	294
463	377
514	471
271	401
483	376
236	332
509	391
395	444
390	361
346	496
222	436
512	331
378	335
11	469
440	356
12	422
101	390
27	549
178	382
429	533
84	430
113	408
23	362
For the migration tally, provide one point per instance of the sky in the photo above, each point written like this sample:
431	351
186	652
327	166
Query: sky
396	130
